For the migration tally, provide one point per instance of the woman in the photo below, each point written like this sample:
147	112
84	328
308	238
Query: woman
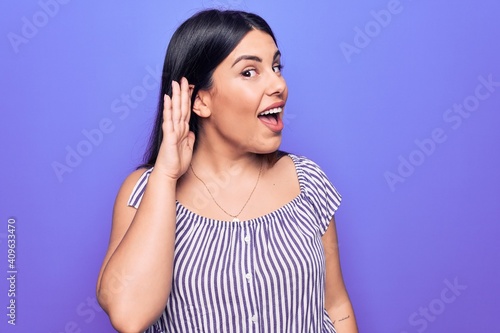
229	235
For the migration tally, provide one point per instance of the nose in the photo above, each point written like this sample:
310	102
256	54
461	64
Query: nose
276	85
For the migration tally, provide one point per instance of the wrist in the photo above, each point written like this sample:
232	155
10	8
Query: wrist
158	177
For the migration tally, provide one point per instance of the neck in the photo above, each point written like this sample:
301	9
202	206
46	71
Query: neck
214	159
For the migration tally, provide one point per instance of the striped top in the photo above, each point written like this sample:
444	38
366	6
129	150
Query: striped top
266	274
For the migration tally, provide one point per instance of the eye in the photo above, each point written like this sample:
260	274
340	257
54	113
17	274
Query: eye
278	68
249	73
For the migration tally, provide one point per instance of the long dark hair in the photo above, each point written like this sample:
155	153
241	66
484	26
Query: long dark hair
197	47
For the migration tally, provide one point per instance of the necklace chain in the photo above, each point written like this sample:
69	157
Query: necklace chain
235	217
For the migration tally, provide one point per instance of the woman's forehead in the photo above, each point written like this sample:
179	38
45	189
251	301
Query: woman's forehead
255	43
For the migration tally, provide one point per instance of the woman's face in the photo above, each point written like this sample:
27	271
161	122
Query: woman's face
248	96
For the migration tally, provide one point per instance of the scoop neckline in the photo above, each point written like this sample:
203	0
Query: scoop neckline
273	214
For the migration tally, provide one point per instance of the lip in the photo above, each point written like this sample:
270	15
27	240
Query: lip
272	106
278	127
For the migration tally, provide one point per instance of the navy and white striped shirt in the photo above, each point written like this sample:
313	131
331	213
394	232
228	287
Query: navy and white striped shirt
266	274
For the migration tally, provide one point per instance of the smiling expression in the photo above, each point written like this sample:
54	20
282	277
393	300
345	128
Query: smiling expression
246	102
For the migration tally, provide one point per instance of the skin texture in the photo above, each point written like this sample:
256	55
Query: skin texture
242	89
135	278
337	302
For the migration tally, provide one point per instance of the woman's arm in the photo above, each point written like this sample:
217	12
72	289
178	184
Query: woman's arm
337	302
134	282
136	275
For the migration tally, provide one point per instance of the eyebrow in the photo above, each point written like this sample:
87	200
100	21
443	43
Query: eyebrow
254	58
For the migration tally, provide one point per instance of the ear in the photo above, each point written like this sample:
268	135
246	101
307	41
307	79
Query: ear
201	104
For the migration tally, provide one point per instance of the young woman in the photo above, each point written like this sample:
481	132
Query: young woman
219	231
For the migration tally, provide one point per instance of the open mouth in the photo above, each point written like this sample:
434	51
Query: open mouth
270	116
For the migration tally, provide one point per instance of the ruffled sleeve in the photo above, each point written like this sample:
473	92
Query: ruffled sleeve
319	191
139	188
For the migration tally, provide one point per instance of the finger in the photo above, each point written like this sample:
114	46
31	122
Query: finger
185	99
176	102
167	115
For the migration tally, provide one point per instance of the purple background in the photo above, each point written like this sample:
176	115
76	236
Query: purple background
364	114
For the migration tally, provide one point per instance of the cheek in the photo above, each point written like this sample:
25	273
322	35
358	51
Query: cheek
241	102
249	98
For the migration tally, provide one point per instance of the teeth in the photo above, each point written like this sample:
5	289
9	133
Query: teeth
271	111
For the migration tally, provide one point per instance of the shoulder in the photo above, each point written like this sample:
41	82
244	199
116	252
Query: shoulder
307	169
317	190
135	176
133	186
303	162
313	180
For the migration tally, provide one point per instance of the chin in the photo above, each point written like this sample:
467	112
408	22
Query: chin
269	146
